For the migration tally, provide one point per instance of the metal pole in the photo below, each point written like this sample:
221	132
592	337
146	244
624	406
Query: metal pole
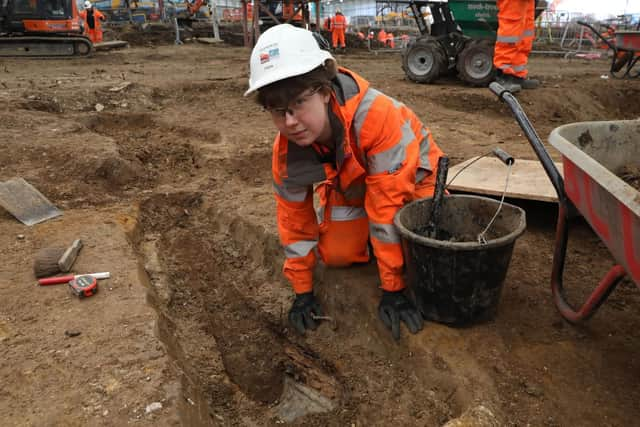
175	23
214	17
245	30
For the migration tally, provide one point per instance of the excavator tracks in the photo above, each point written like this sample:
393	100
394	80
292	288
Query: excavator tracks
45	47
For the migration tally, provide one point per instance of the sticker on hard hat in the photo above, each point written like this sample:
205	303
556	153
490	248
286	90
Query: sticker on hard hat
272	54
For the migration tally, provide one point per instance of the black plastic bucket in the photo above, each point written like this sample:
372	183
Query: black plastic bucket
456	279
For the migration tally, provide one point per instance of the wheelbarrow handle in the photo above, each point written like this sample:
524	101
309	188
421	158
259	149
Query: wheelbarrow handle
532	136
506	158
597	33
497	89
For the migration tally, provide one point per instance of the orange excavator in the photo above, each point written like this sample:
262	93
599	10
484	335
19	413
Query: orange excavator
42	28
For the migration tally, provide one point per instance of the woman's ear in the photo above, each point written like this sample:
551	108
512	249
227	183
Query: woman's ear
326	96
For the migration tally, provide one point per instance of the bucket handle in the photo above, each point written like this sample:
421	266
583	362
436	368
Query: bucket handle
508	160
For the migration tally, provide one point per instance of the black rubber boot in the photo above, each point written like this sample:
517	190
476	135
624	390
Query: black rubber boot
508	82
528	83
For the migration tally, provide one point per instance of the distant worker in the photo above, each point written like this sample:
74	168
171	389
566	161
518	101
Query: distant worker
391	40
382	37
404	41
338	27
92	17
516	31
363	155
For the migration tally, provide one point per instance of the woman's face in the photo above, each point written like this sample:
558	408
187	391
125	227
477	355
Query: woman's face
306	120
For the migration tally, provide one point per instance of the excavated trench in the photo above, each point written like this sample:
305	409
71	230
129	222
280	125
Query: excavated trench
233	349
222	316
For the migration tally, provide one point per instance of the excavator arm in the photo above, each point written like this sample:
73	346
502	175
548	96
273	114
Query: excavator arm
193	8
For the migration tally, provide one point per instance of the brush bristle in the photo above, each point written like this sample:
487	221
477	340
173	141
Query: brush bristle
46	262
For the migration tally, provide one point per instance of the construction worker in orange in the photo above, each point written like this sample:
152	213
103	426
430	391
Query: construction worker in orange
338	27
382	37
391	40
363	154
516	31
92	26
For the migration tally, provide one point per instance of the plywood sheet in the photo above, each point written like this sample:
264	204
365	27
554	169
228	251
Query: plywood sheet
528	179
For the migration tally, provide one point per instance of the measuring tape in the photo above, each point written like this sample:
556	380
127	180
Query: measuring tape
84	286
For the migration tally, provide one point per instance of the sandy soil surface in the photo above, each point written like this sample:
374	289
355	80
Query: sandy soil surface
169	187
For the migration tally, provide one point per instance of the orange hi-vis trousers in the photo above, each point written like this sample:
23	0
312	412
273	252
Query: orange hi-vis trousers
516	31
337	38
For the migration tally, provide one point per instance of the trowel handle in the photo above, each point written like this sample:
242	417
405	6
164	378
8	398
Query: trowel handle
506	158
441	183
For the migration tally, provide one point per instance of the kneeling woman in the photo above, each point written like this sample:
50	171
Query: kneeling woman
367	155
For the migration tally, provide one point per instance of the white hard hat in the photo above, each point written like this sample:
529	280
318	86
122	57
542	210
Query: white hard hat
87	4
281	52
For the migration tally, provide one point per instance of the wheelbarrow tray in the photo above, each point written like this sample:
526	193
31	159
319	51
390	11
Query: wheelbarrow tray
592	154
628	40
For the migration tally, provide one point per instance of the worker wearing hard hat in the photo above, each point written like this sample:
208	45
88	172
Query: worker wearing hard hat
367	155
92	17
338	27
514	42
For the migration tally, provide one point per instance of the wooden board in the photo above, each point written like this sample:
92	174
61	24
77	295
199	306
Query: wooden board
112	44
208	40
528	179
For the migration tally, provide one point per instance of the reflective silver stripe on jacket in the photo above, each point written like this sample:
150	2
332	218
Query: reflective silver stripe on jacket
361	112
425	164
391	159
347	213
290	192
528	33
299	249
386	233
320	214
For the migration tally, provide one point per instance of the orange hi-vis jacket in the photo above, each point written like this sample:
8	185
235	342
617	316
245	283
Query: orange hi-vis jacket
92	25
384	158
339	22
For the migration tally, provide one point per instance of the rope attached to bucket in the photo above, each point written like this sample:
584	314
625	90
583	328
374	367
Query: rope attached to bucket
481	237
507	160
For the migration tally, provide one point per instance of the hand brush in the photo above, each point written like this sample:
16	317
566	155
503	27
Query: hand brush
51	261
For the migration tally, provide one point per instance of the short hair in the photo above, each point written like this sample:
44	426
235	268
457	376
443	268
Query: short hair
281	93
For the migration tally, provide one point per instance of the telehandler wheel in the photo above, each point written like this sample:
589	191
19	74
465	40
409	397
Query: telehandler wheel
475	63
424	60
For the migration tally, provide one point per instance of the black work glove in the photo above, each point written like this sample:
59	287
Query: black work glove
302	312
394	306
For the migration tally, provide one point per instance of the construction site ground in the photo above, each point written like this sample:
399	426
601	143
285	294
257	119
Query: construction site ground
162	168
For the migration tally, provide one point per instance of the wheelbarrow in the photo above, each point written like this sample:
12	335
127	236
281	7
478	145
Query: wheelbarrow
626	51
592	152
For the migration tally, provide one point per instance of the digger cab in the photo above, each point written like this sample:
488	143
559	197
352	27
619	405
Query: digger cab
39	17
